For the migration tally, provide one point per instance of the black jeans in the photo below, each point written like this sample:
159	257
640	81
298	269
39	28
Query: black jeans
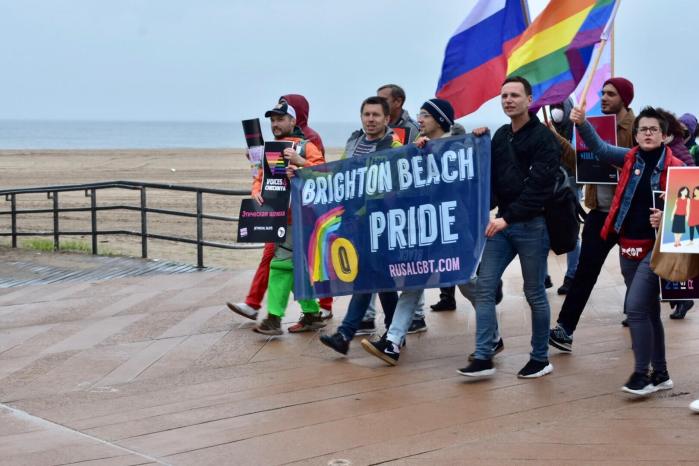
447	294
593	252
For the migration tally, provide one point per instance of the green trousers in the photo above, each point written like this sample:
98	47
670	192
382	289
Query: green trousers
281	282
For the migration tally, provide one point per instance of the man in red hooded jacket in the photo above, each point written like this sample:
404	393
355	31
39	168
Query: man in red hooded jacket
258	287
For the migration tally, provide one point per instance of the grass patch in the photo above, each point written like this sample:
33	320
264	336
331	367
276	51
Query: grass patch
46	245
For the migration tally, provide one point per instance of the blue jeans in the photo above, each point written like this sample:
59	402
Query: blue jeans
572	256
642	304
371	311
358	306
406	312
404	315
529	240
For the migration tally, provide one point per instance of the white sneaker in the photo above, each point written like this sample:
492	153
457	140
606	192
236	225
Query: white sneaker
243	310
325	314
694	406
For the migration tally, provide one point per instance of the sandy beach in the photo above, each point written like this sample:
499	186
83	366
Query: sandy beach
213	168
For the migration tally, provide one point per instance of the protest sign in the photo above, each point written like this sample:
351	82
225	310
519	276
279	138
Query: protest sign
255	143
405	218
680	225
589	169
264	223
275	184
402	132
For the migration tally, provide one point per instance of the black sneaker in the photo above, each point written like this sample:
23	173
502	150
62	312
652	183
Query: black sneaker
681	308
271	325
558	338
639	384
383	349
534	369
366	327
625	322
336	341
385	336
444	305
417	326
565	287
661	380
478	368
497	348
547	282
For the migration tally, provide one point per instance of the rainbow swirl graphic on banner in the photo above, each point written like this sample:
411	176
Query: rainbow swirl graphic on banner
276	162
319	258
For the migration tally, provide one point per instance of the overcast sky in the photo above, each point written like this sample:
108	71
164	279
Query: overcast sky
223	60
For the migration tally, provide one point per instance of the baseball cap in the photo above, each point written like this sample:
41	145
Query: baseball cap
281	108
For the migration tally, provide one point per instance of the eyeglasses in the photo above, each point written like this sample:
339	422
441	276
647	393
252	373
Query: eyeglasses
423	115
648	129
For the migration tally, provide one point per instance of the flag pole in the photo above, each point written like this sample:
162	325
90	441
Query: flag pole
600	49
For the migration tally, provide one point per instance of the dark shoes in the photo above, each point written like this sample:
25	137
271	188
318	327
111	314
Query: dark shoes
559	338
417	326
444	305
681	308
547	282
383	349
271	325
336	341
565	287
534	369
478	368
497	348
308	323
661	380
366	327
639	384
625	322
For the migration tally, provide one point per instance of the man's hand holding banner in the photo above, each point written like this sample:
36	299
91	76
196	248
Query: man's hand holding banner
405	218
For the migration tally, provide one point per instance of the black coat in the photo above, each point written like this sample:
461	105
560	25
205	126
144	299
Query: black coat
522	179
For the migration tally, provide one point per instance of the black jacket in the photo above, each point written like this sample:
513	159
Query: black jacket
522	179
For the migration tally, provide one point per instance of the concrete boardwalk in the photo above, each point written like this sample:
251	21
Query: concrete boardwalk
155	370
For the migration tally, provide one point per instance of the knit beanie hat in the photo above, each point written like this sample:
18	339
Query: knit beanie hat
690	121
442	111
624	87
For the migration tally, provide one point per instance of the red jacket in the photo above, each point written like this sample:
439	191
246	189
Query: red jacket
625	175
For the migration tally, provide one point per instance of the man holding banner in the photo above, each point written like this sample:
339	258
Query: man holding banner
283	122
400	219
525	159
436	118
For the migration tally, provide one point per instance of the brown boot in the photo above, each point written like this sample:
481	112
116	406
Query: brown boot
271	325
308	323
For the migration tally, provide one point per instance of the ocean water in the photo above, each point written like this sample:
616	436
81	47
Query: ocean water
35	134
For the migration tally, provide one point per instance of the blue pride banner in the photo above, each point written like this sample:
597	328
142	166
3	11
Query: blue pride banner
404	218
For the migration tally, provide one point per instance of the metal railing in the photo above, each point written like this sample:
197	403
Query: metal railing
91	190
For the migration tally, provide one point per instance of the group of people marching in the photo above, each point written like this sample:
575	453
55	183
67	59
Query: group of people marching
525	157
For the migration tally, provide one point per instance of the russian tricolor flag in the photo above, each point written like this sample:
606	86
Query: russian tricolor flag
475	61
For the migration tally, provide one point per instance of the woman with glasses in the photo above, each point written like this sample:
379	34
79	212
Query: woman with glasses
633	218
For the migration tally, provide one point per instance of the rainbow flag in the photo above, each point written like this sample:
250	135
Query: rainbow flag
475	60
555	50
593	102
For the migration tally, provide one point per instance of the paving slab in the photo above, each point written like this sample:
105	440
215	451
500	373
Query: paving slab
156	370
